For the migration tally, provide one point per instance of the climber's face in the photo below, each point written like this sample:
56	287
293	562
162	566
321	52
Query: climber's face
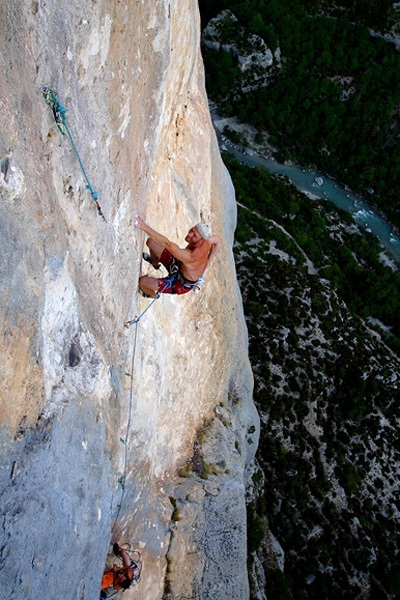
193	236
121	577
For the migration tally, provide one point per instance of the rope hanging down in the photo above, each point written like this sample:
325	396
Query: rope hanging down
59	113
125	440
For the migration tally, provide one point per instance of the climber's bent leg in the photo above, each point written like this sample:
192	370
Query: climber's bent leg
155	251
149	285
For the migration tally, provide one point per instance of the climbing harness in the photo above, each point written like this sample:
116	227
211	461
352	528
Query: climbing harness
190	285
59	113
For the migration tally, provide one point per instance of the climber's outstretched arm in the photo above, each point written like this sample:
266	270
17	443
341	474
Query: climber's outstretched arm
183	255
215	246
155	235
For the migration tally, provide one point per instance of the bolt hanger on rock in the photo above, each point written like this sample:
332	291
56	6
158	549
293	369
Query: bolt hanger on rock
59	113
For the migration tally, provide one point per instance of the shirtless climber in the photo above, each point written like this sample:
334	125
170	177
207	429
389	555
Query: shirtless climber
187	264
119	577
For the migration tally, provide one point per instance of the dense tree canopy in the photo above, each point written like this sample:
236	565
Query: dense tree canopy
327	392
334	101
354	268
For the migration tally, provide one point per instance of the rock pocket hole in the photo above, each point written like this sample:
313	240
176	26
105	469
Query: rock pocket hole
74	355
4	166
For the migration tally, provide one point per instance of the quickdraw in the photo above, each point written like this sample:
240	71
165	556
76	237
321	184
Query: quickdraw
59	113
168	284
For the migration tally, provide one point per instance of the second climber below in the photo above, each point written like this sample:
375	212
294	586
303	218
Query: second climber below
185	266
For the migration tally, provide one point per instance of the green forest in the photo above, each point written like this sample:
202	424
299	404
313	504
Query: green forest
349	261
321	300
318	359
333	101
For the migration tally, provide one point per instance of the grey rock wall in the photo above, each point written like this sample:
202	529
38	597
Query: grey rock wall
98	420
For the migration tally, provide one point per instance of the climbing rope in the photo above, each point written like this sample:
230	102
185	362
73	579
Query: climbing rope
167	285
59	113
136	562
137	319
125	440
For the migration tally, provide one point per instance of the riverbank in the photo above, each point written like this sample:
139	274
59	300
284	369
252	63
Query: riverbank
312	183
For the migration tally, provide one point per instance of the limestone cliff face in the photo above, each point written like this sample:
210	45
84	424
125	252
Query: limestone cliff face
143	434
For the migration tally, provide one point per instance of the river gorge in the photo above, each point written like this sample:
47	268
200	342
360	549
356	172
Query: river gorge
311	182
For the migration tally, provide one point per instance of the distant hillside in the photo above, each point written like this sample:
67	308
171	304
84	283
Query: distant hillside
330	98
324	522
322	300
